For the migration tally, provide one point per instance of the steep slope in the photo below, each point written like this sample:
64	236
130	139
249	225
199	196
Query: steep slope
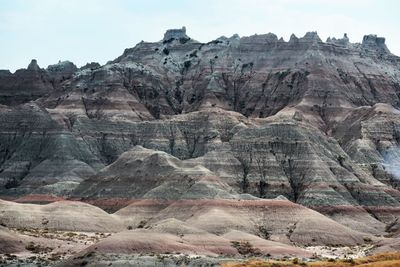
316	122
32	83
144	173
35	150
203	148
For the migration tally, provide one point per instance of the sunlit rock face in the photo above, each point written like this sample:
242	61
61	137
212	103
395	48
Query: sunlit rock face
316	122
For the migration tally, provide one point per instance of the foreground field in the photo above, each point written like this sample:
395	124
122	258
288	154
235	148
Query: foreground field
44	247
197	232
391	259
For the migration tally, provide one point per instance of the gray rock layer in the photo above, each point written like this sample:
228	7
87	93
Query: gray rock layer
315	122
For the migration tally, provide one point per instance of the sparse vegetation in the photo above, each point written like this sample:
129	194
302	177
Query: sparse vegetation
70	234
341	160
264	231
367	239
389	227
166	51
187	64
142	224
378	260
245	248
34	248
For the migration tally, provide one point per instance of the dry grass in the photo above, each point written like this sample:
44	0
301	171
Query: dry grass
379	260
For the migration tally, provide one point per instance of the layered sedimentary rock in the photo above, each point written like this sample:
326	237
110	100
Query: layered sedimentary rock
62	215
234	119
24	85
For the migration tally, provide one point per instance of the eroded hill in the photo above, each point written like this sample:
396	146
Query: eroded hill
281	144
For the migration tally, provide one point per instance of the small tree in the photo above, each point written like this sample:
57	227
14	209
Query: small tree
245	248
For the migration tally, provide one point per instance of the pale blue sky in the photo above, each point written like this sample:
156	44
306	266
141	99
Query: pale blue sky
99	30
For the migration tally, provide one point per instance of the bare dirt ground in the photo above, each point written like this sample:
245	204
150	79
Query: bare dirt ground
183	233
47	247
344	252
44	247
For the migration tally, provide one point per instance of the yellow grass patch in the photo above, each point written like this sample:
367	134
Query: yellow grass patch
391	259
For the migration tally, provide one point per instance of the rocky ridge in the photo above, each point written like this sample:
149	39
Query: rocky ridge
178	126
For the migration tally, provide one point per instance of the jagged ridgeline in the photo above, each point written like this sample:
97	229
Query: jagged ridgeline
242	117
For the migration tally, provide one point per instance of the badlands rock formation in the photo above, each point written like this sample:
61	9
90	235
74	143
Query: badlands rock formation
190	147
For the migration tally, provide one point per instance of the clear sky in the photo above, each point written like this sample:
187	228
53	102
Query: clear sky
99	30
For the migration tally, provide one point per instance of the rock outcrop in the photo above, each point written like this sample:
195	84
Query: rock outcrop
176	34
179	126
374	42
24	85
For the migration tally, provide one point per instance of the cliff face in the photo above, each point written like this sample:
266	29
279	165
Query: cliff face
317	122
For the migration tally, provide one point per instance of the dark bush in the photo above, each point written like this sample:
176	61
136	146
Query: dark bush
166	51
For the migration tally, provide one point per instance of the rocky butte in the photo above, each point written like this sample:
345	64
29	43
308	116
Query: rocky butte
187	153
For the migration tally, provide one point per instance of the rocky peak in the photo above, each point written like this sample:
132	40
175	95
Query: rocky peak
293	39
373	42
271	37
61	71
342	41
33	65
260	38
345	37
5	73
311	37
175	34
91	65
235	37
236	119
62	66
